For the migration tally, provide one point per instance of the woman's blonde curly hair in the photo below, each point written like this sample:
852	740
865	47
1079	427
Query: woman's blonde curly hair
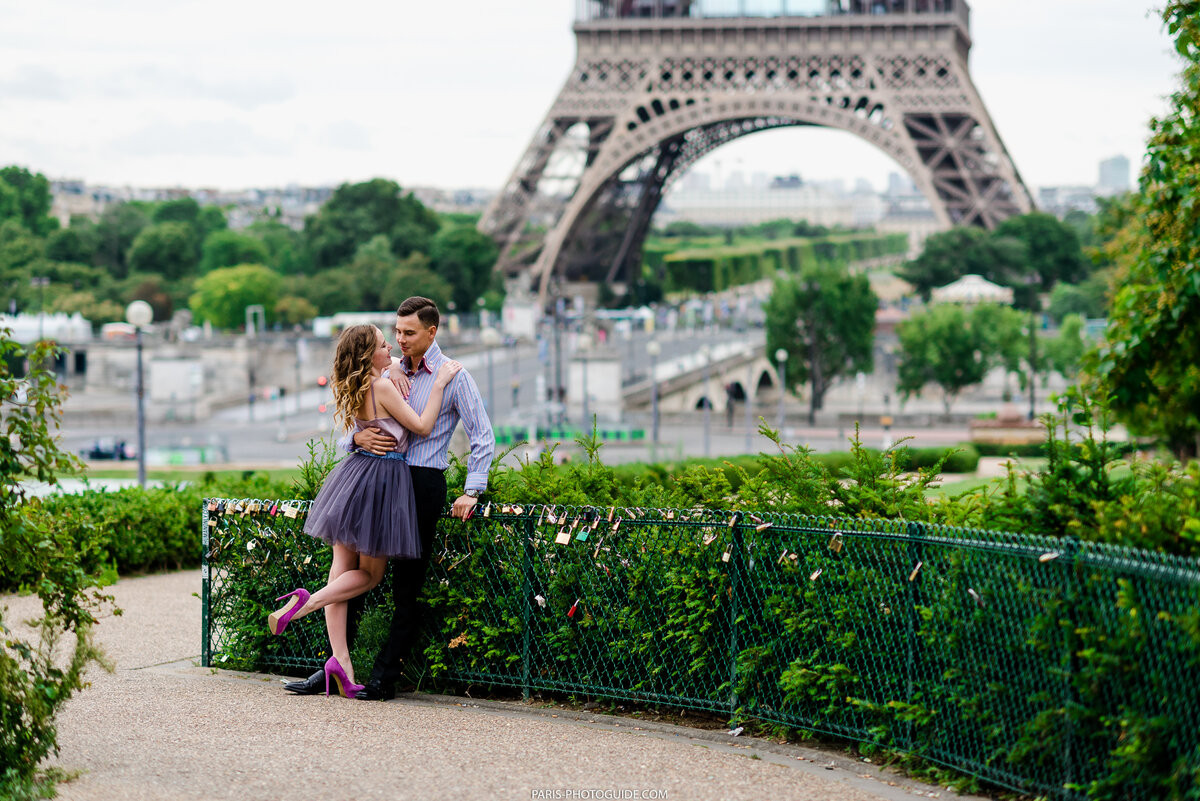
352	375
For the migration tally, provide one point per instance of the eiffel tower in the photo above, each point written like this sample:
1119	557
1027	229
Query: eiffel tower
657	84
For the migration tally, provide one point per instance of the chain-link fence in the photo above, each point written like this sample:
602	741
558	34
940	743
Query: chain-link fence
1047	666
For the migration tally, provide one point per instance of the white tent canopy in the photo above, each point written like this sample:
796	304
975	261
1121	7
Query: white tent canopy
973	289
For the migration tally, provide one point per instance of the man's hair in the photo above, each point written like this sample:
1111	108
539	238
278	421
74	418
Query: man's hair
425	309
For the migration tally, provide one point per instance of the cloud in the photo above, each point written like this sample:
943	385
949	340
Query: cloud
243	92
34	83
225	138
346	135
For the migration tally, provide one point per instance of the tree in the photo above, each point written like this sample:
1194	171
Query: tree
945	346
95	310
294	310
825	320
464	258
285	247
949	255
1149	363
118	227
230	248
75	244
1006	332
1064	353
32	199
221	297
357	212
1052	248
167	249
1087	298
412	276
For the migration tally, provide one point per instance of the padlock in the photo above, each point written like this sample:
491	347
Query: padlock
574	608
912	576
835	543
564	536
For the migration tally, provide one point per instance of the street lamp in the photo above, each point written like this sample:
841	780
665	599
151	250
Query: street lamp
705	354
490	338
41	282
1032	281
749	389
139	314
653	349
780	360
581	346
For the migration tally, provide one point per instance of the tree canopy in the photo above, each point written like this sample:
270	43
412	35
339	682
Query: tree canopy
825	319
1149	363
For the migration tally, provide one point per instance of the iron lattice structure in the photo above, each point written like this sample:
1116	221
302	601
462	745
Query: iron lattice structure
657	84
1054	667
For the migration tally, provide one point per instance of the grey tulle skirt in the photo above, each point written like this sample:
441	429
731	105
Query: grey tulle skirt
366	503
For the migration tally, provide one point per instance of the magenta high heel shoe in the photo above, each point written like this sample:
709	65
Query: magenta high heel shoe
278	620
333	669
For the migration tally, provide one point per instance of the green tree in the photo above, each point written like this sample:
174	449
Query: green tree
285	247
464	258
1052	248
153	290
943	345
32	199
115	232
357	212
825	320
1006	332
294	310
1088	298
949	255
1149	363
413	276
20	251
221	297
43	553
75	244
167	249
331	291
230	248
1064	352
95	310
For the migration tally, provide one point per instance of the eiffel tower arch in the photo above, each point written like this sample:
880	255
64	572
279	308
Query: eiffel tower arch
657	84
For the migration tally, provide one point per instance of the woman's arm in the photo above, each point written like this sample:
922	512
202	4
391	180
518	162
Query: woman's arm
387	396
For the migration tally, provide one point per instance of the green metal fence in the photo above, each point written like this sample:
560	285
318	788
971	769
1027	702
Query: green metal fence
1047	666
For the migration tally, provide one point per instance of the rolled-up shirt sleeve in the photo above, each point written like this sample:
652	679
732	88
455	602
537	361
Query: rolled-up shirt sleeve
469	405
346	443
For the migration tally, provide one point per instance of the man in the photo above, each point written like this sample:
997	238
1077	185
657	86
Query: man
417	321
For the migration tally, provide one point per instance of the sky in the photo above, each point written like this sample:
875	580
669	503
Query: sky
262	93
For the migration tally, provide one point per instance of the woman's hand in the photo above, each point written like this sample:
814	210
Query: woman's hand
401	382
446	373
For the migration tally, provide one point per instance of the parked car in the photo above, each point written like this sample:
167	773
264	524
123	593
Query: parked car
109	448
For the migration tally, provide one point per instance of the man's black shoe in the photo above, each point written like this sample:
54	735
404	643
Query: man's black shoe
376	690
313	685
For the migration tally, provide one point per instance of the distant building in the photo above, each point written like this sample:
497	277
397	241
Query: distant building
1058	200
1114	177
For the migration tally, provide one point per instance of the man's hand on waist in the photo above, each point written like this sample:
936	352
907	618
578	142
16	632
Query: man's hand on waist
374	441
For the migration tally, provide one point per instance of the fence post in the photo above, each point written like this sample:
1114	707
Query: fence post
1071	549
736	567
526	602
205	619
915	553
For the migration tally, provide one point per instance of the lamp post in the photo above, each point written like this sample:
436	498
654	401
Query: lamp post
582	345
1031	281
705	355
780	361
41	282
139	314
749	389
653	349
490	338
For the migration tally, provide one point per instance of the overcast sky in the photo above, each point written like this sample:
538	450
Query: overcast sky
447	93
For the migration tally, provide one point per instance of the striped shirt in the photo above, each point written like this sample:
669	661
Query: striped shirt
460	401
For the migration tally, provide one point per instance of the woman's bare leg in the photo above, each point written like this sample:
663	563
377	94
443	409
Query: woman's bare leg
350	575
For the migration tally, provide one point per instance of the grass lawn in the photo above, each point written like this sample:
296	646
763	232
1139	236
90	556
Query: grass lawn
170	474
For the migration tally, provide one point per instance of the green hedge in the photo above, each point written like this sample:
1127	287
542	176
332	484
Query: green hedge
709	269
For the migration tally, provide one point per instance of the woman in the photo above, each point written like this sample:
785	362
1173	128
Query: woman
365	508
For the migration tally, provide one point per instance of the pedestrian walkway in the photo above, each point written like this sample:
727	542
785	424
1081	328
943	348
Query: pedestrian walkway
162	728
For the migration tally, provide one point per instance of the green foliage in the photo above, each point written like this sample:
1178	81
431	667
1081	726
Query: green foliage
167	249
1088	298
229	249
463	257
294	310
949	255
1150	362
825	320
223	295
944	345
115	232
25	197
38	553
1064	352
1052	247
358	212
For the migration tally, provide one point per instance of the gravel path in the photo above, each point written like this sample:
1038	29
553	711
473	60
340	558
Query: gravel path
160	727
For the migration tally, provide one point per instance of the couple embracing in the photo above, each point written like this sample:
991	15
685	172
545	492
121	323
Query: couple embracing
383	500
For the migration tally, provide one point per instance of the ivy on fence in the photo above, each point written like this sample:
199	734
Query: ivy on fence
1046	665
